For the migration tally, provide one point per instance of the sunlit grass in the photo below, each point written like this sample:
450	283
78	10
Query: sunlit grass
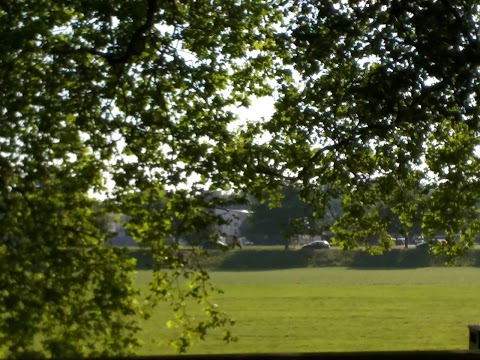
337	309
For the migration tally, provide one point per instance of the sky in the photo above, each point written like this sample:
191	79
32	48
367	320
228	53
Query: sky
260	107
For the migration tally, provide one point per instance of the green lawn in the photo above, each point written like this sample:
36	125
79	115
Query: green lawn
337	309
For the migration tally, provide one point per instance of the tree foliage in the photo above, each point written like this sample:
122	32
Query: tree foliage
132	102
381	107
129	102
272	223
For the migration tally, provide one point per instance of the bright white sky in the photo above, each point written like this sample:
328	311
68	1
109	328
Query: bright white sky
260	108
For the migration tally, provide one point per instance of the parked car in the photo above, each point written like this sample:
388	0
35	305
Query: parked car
318	244
421	244
211	245
425	245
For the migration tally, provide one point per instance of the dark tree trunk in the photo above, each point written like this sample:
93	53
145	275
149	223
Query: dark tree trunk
407	240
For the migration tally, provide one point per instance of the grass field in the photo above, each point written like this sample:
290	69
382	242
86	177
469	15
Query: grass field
338	309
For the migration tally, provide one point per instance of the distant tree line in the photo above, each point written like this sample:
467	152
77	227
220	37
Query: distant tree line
280	221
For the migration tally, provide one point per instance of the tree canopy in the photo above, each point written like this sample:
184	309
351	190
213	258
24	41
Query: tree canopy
115	107
270	224
382	106
119	106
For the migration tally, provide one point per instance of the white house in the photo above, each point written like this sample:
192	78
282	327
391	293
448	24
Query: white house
235	218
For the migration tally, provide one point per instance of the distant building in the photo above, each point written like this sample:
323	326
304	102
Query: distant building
235	218
113	224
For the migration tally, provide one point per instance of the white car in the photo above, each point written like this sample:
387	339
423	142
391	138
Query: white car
318	244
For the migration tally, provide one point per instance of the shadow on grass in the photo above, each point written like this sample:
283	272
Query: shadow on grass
395	259
255	260
264	260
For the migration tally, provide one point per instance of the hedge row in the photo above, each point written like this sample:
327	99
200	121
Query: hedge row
251	259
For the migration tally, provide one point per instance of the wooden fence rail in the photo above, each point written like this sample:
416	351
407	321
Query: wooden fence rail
383	355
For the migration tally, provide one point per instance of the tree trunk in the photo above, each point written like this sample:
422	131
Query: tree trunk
407	240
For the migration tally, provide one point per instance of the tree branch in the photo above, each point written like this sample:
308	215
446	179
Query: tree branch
459	21
136	44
